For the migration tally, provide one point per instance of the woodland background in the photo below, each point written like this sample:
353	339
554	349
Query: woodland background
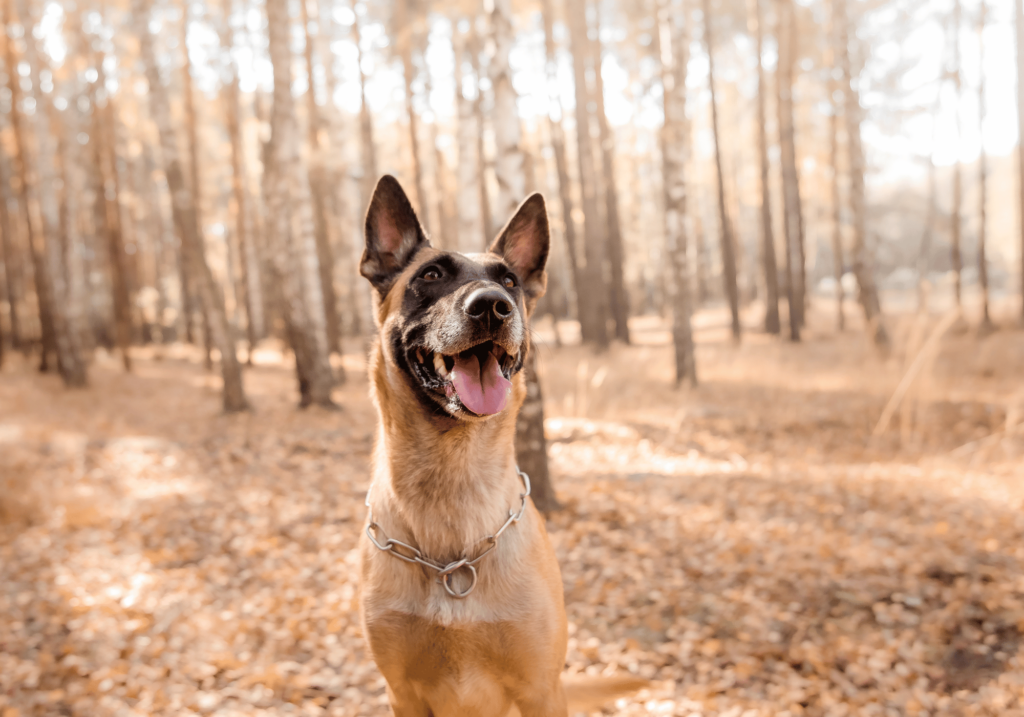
776	420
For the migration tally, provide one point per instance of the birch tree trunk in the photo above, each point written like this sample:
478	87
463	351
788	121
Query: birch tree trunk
26	196
833	129
728	244
955	218
863	264
250	260
108	196
192	140
591	291
509	162
319	192
12	261
618	298
470	220
1019	13
771	272
986	320
558	146
42	183
403	34
792	211
367	149
481	155
673	49
290	227
185	218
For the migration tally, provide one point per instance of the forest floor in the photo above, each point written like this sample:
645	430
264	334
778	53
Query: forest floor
748	544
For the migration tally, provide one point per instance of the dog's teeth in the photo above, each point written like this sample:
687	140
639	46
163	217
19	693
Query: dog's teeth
419	355
439	366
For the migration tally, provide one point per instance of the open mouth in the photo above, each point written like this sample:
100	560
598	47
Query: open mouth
478	377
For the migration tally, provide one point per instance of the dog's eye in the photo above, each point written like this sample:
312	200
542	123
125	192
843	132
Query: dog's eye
431	274
509	281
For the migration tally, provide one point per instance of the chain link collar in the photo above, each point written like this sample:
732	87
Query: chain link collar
445	572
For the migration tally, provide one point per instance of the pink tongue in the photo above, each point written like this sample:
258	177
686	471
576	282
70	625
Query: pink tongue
482	391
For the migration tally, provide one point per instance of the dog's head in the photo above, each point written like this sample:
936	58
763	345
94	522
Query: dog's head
455	325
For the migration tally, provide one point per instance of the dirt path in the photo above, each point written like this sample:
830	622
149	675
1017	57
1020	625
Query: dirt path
746	544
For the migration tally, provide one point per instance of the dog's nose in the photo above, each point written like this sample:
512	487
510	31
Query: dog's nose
488	300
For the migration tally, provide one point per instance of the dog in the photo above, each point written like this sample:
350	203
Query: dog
462	602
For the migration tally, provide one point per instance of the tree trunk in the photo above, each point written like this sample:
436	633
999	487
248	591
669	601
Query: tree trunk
108	210
673	47
591	292
185	218
955	220
290	225
771	272
368	152
508	164
42	183
481	155
26	199
927	232
792	210
618	298
403	34
469	178
250	260
837	226
1019	7
558	146
531	447
531	444
12	262
73	183
986	320
728	244
837	209
192	138
319	193
863	262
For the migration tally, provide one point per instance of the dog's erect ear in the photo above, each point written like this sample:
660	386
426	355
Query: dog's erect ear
393	234
524	244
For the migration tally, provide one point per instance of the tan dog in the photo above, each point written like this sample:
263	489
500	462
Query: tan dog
462	596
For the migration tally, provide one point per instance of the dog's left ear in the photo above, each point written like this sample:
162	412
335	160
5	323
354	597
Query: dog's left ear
524	245
393	234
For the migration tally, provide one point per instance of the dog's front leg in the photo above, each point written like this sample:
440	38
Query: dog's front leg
542	702
406	703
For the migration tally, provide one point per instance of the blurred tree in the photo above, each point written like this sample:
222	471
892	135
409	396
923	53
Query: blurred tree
108	187
955	218
403	31
318	188
837	208
468	180
9	248
509	162
290	225
192	145
727	242
557	133
27	192
771	273
863	262
481	155
185	218
672	43
44	178
618	299
367	149
1019	7
591	292
793	221
986	320
244	229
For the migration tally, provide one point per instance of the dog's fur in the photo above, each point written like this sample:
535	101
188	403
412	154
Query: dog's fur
443	478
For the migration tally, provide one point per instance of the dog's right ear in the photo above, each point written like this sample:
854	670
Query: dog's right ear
393	234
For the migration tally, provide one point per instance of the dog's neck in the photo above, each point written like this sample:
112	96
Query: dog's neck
442	486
